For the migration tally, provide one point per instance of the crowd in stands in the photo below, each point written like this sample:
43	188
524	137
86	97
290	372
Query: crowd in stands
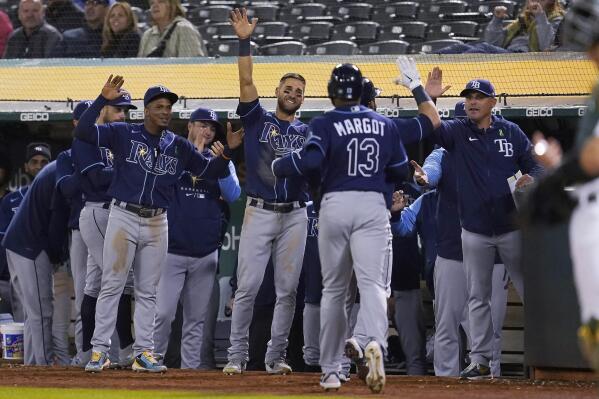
168	28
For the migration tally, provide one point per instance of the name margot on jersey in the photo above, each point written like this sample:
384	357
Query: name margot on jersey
360	126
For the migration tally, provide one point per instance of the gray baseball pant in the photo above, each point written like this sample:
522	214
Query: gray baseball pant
35	280
409	320
78	257
190	280
61	317
207	360
141	243
479	255
16	295
451	312
265	233
357	241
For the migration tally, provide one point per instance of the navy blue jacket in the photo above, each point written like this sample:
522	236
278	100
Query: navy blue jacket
68	183
94	165
484	160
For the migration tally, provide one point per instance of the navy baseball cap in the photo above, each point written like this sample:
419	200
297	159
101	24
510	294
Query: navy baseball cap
156	92
369	92
80	109
480	85
34	149
460	110
123	101
207	115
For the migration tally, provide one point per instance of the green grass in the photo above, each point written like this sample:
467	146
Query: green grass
69	393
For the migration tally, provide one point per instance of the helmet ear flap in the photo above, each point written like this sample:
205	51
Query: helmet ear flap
345	83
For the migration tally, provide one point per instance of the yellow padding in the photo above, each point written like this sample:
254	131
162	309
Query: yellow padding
514	77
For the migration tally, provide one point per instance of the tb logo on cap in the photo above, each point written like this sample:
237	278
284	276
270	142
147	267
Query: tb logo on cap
163	89
475	84
213	115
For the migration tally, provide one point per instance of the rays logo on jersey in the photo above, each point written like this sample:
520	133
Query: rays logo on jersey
107	156
159	164
282	144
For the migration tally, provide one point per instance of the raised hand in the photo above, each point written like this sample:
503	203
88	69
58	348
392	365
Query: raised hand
112	87
217	149
500	12
419	174
409	75
536	8
399	201
524	180
199	141
434	84
234	138
239	21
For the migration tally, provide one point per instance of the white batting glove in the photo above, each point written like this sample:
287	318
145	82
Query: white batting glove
409	75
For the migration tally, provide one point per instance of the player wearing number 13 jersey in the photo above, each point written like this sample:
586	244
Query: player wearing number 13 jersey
357	151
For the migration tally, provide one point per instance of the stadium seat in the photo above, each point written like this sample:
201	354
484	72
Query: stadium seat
401	11
213	31
359	32
227	48
385	47
264	12
283	48
211	14
300	1
140	14
337	47
432	46
403	30
431	12
488	7
352	11
271	29
478	17
292	14
312	32
450	29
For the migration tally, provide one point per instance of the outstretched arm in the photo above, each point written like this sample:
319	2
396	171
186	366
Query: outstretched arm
244	28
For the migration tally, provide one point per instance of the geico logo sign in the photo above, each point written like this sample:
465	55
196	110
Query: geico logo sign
388	112
34	116
539	111
136	115
496	111
444	113
582	111
232	115
184	114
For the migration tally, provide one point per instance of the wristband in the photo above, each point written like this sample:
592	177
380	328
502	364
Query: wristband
244	47
420	95
227	153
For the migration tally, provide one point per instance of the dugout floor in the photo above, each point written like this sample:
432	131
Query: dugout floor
298	384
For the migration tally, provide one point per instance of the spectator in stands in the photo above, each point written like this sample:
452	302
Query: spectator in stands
35	38
5	30
171	34
534	30
85	42
64	15
120	37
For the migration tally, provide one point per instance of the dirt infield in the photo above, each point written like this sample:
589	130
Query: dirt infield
301	383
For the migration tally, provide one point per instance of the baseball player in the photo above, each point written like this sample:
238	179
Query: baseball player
487	151
148	161
357	149
191	264
93	165
581	167
275	215
34	241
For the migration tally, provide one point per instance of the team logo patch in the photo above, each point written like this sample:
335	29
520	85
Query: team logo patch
156	164
107	156
282	144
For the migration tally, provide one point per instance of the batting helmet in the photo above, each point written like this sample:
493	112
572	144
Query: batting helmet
580	26
345	82
369	92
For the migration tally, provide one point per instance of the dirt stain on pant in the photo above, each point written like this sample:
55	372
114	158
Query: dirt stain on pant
120	247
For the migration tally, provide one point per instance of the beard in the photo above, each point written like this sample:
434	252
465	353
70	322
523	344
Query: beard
287	108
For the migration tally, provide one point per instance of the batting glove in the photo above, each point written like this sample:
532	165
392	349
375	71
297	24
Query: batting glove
409	75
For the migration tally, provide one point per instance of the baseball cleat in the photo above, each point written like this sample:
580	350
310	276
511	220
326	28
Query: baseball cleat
279	367
375	379
588	339
344	376
145	362
354	352
234	367
98	362
330	381
475	371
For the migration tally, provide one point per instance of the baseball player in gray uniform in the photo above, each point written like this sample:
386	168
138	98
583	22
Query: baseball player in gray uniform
148	161
275	221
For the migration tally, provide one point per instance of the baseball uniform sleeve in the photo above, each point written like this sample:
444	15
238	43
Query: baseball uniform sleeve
229	186
251	115
5	215
309	158
432	167
88	131
67	181
199	165
397	169
406	226
414	130
444	134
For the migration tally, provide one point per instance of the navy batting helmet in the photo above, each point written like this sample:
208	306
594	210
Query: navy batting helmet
580	25
345	82
369	92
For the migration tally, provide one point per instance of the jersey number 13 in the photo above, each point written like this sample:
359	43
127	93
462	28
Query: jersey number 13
363	157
